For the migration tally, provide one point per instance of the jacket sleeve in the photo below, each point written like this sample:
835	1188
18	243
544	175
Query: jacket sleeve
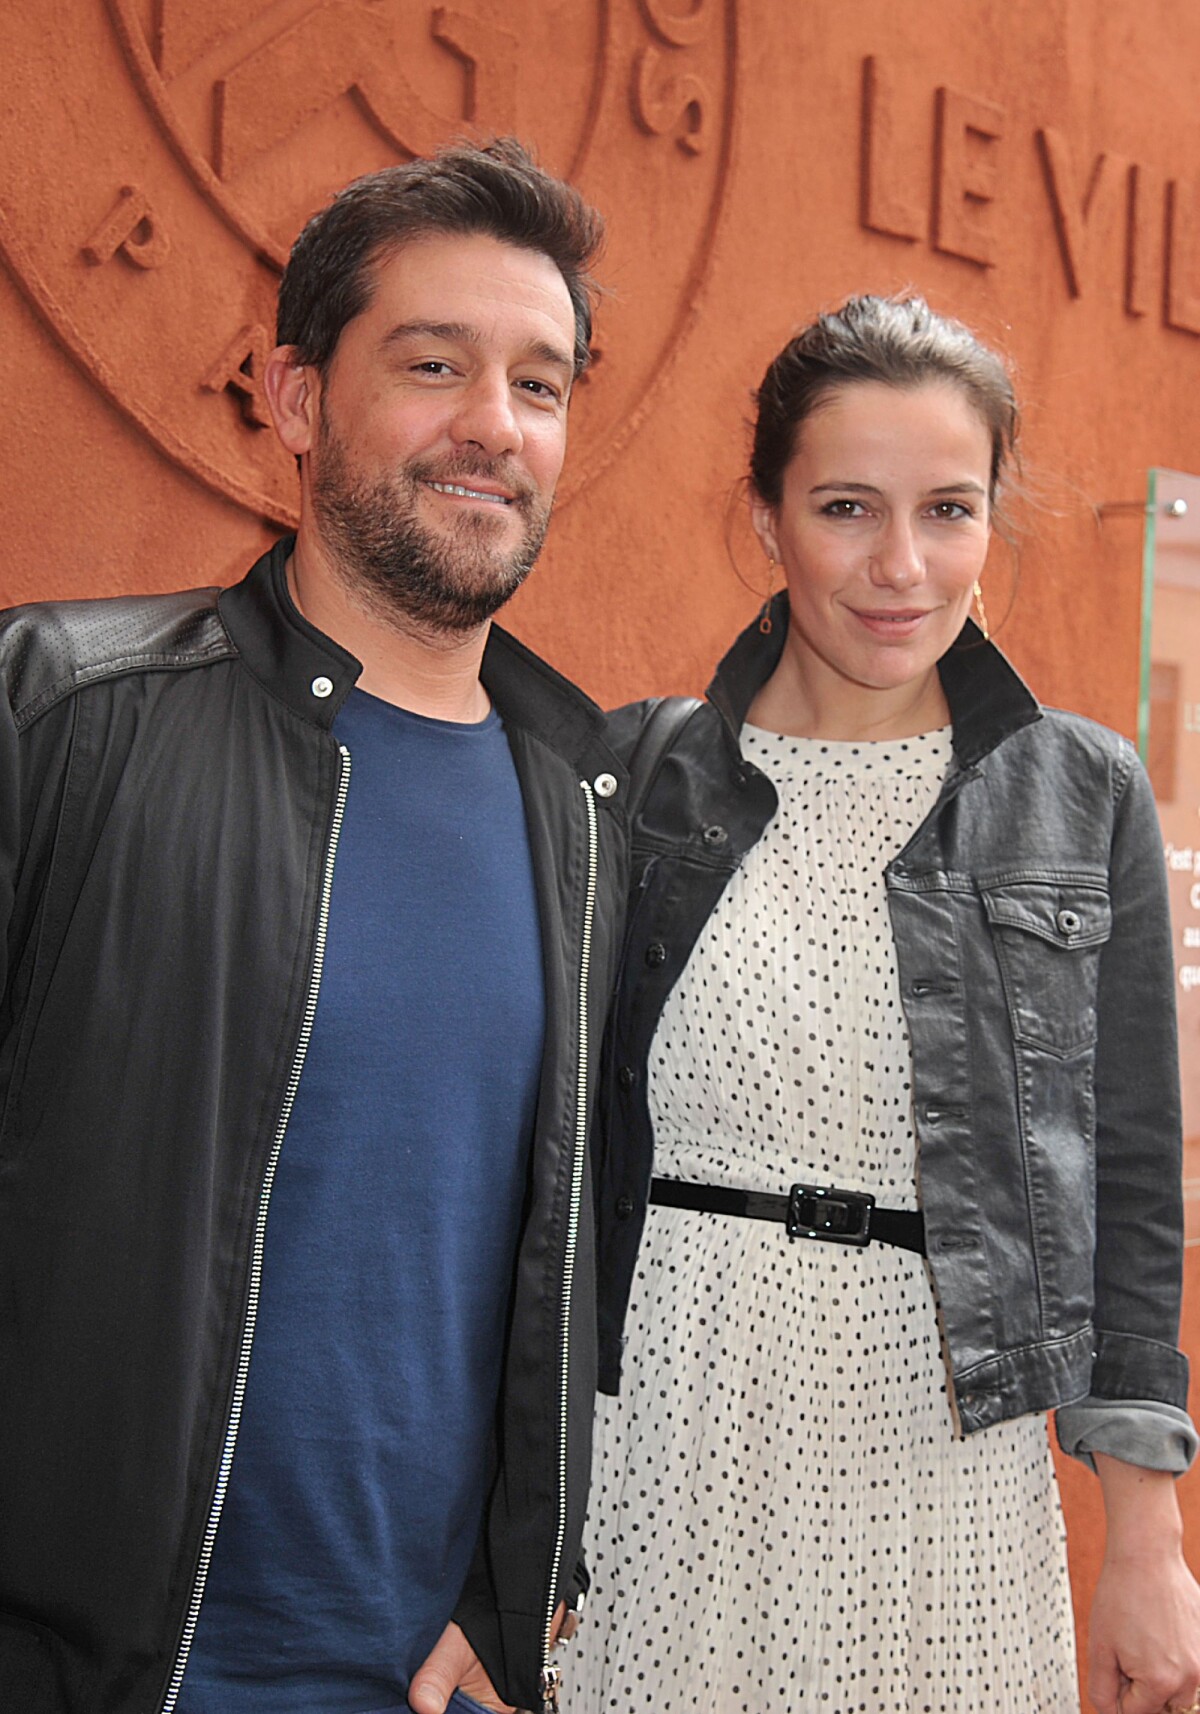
477	1616
1137	1406
10	831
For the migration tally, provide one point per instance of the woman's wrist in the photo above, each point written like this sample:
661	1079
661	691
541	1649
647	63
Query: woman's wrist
1141	1511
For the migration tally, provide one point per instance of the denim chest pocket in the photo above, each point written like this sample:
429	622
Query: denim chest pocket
1048	936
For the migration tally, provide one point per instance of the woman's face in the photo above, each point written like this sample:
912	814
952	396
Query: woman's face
882	529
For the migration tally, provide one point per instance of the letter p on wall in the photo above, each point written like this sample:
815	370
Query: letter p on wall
132	228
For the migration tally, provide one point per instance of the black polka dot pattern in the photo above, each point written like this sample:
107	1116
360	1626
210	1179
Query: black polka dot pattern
782	1513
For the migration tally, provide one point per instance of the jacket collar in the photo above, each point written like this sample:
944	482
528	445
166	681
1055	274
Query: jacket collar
988	699
279	646
529	693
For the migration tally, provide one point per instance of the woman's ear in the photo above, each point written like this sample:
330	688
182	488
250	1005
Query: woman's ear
762	517
291	390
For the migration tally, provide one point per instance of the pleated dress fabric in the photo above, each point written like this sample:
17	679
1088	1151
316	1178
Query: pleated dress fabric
783	1514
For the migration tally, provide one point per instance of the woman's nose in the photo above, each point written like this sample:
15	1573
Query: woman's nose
898	562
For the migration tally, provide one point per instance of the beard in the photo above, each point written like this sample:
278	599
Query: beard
449	580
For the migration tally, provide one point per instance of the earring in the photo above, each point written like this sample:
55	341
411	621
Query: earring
982	610
765	623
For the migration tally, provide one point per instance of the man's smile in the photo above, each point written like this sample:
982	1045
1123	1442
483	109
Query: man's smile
458	490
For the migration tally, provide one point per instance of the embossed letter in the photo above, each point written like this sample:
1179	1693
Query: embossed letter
1069	207
240	367
1181	298
132	229
1139	238
965	175
675	29
880	207
681	106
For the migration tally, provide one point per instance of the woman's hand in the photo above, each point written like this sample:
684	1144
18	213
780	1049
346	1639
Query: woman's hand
1144	1641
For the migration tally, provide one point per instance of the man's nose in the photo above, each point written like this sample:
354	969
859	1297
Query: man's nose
486	418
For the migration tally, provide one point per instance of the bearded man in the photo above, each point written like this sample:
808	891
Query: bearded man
311	889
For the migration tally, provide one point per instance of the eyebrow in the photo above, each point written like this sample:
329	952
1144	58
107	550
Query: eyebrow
966	487
462	333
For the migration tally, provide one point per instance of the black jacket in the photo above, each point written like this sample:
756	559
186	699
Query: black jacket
169	801
1033	942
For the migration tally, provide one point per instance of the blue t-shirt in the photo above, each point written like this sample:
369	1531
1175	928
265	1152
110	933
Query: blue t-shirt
358	1482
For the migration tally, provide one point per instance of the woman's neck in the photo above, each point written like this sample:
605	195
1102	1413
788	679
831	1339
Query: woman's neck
822	704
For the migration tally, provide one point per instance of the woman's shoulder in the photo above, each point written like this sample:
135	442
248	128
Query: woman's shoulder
1062	730
1067	756
651	725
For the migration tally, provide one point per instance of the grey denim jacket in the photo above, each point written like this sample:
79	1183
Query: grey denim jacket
1033	941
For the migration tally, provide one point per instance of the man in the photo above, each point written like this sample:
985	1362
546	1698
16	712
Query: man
311	889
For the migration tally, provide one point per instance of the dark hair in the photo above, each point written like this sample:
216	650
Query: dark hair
900	342
495	188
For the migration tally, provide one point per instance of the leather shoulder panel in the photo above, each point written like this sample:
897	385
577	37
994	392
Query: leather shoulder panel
50	649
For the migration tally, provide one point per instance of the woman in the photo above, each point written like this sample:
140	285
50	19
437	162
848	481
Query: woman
898	934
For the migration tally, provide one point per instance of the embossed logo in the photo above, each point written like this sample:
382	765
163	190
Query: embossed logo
148	225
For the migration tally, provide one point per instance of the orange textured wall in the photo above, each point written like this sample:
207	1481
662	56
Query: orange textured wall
1025	164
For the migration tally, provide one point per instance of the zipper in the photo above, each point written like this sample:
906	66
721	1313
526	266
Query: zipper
256	1254
551	1672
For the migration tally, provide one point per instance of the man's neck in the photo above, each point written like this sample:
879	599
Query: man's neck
427	673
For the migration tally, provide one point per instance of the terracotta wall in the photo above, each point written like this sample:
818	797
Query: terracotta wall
1025	164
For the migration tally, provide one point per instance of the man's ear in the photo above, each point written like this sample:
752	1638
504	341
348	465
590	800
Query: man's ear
762	517
292	391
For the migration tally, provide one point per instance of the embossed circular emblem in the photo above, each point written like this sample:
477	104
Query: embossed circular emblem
148	222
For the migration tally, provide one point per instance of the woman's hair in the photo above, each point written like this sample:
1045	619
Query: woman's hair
897	341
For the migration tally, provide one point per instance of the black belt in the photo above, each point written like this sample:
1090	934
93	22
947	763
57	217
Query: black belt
808	1211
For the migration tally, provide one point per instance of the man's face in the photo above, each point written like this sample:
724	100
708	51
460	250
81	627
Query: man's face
442	429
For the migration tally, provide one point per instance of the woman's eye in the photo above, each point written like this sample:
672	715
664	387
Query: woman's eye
952	510
843	509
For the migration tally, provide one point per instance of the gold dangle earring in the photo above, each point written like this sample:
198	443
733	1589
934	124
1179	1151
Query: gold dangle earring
982	610
765	623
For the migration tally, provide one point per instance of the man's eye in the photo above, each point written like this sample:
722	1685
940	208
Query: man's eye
539	389
432	366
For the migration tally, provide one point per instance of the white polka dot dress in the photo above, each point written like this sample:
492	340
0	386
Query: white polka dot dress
783	1515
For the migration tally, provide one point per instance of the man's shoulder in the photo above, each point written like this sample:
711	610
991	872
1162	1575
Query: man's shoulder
49	649
528	691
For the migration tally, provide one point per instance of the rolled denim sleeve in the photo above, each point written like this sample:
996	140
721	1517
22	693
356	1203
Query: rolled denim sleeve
1146	1432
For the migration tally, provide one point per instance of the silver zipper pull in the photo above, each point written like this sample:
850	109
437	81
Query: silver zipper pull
551	1680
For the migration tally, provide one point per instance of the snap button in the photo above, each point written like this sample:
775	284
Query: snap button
656	954
715	836
1069	922
604	785
627	1077
322	686
624	1207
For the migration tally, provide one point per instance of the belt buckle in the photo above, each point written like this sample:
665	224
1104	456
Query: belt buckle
823	1211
